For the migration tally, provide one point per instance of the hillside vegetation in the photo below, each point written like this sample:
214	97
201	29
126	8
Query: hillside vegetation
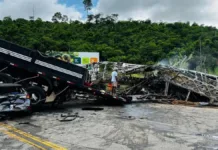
142	42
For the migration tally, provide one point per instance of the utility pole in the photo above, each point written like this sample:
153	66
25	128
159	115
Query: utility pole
33	12
33	16
200	55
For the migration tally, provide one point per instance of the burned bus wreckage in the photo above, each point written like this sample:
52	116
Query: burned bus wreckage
49	80
164	84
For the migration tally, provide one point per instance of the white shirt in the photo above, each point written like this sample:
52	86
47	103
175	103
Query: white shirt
113	76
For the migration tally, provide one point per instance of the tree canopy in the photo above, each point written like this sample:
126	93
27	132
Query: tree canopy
88	5
142	41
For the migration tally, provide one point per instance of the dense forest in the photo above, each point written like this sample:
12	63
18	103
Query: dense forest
143	42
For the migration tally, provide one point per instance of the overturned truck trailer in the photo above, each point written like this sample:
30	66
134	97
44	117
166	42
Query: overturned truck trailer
164	83
46	79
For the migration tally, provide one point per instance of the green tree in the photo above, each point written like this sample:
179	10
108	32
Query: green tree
57	17
64	18
141	41
88	5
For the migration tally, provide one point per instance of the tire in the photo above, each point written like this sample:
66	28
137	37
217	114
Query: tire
48	83
5	78
37	95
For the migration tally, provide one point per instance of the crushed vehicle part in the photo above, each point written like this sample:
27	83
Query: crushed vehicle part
13	98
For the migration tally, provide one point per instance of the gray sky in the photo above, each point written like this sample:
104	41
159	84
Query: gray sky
200	11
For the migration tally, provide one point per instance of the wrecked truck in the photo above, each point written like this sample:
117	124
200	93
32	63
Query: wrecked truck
46	79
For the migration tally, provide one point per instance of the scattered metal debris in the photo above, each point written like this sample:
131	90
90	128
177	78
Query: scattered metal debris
127	117
28	123
69	117
24	122
93	108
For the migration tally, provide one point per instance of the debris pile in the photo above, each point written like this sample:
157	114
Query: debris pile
162	83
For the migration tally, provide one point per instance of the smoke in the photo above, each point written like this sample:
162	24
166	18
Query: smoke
179	61
164	62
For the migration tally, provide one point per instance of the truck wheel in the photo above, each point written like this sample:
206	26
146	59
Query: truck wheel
4	78
37	95
48	83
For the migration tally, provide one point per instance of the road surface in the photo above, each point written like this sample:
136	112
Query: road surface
132	127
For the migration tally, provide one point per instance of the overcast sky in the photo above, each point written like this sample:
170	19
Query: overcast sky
200	11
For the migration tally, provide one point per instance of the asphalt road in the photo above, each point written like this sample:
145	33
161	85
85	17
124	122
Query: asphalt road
132	127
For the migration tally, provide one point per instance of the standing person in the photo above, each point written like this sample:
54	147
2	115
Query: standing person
114	81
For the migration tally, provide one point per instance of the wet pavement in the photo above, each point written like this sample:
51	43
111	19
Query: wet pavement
131	127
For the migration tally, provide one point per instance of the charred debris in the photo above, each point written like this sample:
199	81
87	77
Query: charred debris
158	83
